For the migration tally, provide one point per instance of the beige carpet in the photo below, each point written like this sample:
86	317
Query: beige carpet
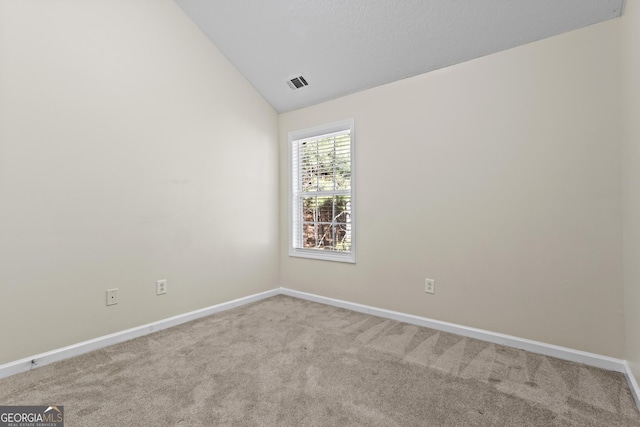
288	362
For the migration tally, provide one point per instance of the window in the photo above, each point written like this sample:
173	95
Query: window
321	200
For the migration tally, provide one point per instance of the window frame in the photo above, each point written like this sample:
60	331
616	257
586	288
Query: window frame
319	131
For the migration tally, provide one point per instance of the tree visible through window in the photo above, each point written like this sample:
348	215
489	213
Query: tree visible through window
322	205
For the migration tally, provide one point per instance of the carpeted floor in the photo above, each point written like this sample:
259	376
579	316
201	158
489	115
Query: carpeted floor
288	362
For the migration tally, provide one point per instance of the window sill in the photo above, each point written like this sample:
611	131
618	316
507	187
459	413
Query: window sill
323	255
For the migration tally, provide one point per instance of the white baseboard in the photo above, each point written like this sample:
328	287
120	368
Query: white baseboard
633	384
591	359
42	359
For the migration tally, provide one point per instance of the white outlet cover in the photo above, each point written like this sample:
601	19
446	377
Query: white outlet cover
112	296
430	286
161	287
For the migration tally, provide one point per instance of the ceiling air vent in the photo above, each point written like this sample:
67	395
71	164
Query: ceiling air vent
298	82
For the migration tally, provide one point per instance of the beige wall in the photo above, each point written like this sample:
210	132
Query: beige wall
130	151
630	37
499	178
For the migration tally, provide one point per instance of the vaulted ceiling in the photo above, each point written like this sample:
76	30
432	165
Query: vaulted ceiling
344	46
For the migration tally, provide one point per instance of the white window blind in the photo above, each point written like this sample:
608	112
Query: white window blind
321	199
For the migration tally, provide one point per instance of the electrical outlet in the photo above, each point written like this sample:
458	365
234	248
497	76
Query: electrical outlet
430	286
112	296
161	287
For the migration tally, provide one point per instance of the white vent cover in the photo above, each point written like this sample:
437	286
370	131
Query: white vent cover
297	82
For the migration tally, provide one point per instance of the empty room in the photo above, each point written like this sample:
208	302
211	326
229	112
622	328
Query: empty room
368	213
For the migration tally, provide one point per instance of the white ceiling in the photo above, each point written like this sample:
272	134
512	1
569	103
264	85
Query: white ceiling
344	46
